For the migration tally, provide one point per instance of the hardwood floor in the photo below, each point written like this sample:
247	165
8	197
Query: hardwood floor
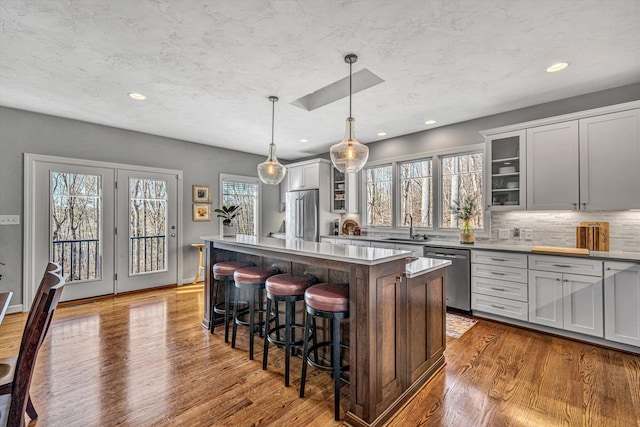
143	359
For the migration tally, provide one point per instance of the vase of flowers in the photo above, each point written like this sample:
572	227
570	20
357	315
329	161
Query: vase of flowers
228	213
466	211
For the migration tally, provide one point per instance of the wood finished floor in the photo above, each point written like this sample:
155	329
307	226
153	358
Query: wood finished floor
143	360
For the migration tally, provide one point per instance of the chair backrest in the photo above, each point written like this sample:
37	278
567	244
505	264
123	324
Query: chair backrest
35	330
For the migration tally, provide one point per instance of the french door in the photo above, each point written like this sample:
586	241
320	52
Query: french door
111	229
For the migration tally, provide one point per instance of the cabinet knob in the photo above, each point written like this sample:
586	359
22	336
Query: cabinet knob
575	206
557	280
584	205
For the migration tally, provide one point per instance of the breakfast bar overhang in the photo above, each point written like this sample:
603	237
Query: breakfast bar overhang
397	312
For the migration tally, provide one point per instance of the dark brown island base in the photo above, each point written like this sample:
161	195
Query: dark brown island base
397	323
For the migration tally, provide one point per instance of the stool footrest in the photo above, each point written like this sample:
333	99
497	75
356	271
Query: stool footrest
320	366
282	328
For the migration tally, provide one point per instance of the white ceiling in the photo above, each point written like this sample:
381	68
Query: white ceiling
207	67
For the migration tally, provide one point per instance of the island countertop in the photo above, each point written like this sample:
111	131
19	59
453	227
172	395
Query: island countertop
353	254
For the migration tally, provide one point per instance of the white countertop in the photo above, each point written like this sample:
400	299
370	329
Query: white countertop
344	253
424	265
602	255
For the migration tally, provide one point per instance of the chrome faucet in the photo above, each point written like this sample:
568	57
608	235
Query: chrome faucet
410	224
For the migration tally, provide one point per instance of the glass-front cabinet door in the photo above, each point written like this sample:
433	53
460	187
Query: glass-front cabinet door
506	170
344	193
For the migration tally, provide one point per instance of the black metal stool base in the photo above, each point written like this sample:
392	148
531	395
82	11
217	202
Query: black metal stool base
251	313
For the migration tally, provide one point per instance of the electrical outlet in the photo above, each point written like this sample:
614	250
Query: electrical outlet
9	219
517	234
528	234
503	233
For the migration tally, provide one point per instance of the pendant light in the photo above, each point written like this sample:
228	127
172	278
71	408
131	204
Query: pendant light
349	155
271	171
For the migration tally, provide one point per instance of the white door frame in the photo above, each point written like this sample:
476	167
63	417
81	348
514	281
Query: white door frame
29	274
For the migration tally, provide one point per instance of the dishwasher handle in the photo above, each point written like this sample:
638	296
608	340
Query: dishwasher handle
442	255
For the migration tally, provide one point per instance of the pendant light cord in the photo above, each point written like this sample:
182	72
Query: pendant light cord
273	118
350	87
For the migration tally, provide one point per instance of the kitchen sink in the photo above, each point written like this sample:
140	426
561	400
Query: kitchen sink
406	239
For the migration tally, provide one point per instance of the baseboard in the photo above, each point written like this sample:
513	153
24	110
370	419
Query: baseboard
14	309
189	280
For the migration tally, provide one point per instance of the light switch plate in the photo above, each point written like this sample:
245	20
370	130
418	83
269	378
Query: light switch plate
503	233
9	219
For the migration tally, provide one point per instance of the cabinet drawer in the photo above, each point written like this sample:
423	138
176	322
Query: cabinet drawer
327	240
571	265
499	258
500	306
500	288
499	272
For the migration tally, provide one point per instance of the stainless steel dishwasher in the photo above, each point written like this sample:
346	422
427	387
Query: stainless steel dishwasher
458	276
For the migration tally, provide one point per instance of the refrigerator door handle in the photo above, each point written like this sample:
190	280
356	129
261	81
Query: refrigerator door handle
301	219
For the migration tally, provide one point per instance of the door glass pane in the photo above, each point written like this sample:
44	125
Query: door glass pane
147	225
76	224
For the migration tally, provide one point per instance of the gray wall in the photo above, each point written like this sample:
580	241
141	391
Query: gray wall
467	133
27	132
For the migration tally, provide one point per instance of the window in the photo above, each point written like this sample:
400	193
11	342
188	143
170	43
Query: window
424	186
379	195
244	192
461	177
416	193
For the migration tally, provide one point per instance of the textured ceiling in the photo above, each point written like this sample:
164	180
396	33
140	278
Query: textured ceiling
207	67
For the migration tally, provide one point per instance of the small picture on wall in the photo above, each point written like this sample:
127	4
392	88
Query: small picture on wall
201	212
201	194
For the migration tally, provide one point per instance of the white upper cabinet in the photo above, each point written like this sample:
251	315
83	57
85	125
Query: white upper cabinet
610	161
304	177
507	168
552	167
586	160
344	191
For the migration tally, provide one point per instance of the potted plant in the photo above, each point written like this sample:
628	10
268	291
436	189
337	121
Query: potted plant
228	213
466	211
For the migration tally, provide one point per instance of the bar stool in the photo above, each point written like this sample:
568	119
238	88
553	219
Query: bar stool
250	279
330	301
223	272
285	288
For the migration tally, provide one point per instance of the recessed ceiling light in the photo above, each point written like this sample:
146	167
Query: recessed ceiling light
557	67
382	133
430	122
137	96
304	140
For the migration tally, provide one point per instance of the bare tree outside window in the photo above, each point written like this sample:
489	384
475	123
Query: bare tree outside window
461	177
416	192
75	225
379	195
245	195
147	225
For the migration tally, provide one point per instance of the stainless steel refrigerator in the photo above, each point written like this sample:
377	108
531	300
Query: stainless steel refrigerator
302	215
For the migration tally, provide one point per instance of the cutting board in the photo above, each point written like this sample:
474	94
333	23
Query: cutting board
558	250
593	235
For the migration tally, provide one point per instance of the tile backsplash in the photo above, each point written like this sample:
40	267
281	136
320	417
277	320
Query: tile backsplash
558	228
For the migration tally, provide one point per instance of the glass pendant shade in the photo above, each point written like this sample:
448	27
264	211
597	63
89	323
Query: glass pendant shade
271	171
349	155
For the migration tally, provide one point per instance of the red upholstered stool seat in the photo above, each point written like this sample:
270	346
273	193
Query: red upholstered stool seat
253	275
327	297
223	272
227	268
287	284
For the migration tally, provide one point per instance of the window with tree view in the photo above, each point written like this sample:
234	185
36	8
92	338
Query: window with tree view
76	225
243	193
147	225
461	176
416	193
379	195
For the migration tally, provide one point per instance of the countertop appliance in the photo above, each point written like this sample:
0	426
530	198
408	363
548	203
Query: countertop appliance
458	276
302	215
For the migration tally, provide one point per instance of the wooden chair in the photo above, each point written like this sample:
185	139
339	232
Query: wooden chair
14	394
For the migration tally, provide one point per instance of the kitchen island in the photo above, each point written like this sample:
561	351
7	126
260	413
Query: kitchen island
397	321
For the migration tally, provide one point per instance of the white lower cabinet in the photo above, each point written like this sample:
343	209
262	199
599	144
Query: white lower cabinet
572	302
622	302
499	284
545	298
